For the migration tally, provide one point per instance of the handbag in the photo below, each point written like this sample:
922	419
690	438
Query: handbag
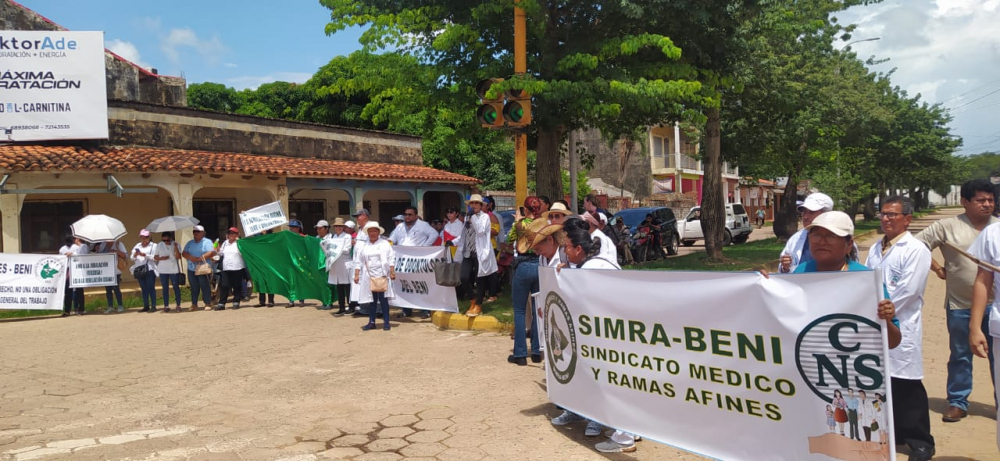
140	271
379	284
202	269
122	264
448	273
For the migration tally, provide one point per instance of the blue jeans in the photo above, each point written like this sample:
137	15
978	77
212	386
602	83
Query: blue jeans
960	361
165	281
116	289
379	299
524	284
199	283
147	284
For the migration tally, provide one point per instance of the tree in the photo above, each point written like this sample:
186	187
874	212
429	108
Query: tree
212	96
983	165
591	64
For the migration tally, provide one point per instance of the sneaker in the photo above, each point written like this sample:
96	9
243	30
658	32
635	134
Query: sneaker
370	326
270	304
236	306
339	313
109	310
386	327
593	429
567	417
220	307
536	358
166	309
403	315
490	300
610	446
65	314
152	309
144	309
121	309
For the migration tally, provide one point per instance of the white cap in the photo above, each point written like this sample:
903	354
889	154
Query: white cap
199	228
817	201
837	222
350	224
399	217
322	223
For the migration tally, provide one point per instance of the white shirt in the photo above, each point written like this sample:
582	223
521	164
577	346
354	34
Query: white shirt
167	266
484	247
608	249
232	259
145	257
986	247
795	247
904	273
600	263
420	234
456	229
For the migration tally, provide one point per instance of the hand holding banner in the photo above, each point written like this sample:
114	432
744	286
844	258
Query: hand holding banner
415	285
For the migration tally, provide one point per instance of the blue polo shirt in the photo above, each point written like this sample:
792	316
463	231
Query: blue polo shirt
197	249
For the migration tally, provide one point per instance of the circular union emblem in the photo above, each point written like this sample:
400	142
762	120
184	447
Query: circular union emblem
560	341
47	269
839	352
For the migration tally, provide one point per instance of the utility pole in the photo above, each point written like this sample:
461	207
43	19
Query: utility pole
520	138
574	163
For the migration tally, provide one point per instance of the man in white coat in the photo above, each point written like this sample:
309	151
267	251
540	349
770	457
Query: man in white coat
479	221
797	248
905	263
362	216
337	246
413	232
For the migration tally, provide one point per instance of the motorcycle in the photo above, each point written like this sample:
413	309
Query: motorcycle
645	244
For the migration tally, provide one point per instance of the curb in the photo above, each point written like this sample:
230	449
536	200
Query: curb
454	321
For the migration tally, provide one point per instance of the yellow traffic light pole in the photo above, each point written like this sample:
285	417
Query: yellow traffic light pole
520	138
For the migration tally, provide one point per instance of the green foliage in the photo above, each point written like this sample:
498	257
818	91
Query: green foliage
582	188
212	96
982	166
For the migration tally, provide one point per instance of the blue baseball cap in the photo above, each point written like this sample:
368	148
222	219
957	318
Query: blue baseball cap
295	223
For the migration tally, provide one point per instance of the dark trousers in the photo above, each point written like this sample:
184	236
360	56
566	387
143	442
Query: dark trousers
343	292
852	421
470	267
117	290
231	280
165	281
199	284
147	284
868	433
379	299
261	296
484	283
910	413
73	298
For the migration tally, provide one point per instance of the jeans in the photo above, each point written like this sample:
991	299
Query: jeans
231	280
261	296
117	290
72	299
470	267
960	361
524	284
199	283
165	281
379	299
147	284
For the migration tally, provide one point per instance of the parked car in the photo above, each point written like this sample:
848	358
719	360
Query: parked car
738	226
633	217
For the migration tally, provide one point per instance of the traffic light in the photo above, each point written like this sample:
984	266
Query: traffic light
490	111
517	110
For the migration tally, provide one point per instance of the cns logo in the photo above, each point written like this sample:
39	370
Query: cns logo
838	352
560	339
47	269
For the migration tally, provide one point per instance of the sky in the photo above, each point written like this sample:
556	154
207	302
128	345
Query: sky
238	43
948	51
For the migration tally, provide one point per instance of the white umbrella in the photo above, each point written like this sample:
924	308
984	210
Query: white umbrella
172	223
98	228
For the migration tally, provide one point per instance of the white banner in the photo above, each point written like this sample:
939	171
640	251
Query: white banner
52	86
30	281
262	218
731	366
415	285
92	270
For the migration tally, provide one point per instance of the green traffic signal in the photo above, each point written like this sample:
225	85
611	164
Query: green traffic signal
488	115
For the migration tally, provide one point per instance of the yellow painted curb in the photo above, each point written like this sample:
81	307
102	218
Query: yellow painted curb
452	321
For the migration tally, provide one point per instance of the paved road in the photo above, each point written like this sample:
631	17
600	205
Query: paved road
297	384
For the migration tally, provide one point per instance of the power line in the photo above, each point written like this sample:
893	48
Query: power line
971	91
977	99
973	109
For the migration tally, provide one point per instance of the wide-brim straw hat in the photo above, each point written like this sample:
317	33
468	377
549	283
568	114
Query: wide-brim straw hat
534	234
557	208
338	222
373	225
475	198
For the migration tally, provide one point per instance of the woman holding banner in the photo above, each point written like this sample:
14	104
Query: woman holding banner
340	272
375	265
117	248
74	296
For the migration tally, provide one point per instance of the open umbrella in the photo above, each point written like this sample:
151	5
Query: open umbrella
171	223
98	228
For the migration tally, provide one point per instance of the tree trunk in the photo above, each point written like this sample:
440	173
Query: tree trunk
786	222
870	211
713	205
548	175
852	210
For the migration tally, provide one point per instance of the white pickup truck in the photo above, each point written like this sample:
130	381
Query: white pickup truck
738	227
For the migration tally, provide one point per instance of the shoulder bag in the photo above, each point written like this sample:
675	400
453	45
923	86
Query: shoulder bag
447	273
377	284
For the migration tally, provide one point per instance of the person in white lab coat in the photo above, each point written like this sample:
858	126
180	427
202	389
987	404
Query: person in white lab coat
360	240
796	250
480	222
376	260
338	256
987	249
905	263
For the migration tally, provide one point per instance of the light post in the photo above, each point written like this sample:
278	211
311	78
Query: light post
859	41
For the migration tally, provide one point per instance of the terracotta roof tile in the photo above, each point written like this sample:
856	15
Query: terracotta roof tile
18	158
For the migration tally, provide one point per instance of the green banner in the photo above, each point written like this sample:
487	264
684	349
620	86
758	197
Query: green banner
287	264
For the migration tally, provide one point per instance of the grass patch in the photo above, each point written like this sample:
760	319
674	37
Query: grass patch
502	309
99	303
744	257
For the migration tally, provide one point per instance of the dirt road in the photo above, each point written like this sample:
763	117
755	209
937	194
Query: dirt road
297	384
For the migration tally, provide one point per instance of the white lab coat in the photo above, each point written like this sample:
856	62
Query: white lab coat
794	247
457	230
484	246
382	252
420	234
360	241
338	257
987	249
904	273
